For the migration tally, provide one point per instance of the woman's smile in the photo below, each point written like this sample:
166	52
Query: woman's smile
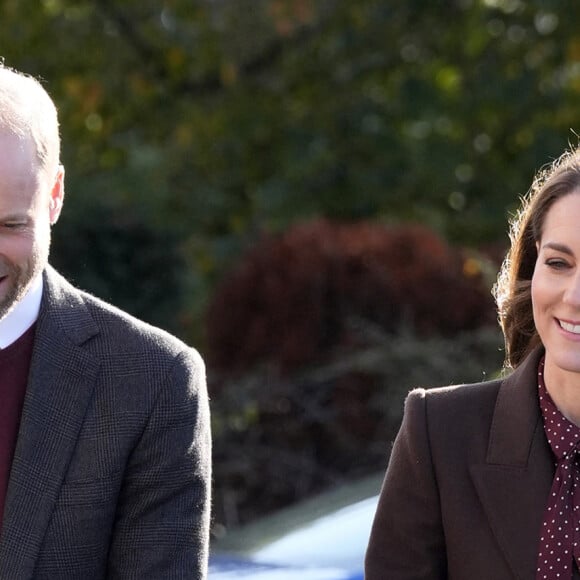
571	327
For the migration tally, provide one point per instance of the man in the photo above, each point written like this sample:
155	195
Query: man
104	421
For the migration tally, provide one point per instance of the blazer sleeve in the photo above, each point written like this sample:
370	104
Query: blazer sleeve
407	539
162	523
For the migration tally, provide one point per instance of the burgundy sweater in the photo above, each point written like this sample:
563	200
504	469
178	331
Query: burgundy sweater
14	367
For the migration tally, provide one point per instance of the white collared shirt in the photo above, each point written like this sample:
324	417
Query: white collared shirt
22	316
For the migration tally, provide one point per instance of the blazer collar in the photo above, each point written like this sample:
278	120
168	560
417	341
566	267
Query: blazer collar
61	381
516	416
514	482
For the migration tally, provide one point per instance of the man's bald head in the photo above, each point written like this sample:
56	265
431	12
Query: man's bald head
27	111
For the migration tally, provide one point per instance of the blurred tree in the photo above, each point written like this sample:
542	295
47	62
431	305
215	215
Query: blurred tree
190	129
214	120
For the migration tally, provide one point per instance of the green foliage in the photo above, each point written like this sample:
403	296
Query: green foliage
192	128
220	119
123	260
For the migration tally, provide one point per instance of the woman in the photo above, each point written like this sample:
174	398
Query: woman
483	481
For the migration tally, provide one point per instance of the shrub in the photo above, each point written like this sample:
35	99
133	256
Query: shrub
295	297
314	340
277	440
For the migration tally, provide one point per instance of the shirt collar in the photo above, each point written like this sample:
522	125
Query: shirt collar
563	435
22	316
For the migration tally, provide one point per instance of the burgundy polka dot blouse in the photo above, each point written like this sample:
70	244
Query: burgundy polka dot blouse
560	534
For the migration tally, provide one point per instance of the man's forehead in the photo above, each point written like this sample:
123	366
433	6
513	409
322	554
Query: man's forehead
19	167
19	150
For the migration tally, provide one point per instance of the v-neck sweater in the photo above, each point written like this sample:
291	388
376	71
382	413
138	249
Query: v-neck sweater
14	368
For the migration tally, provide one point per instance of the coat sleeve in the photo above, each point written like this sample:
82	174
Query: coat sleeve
407	540
162	523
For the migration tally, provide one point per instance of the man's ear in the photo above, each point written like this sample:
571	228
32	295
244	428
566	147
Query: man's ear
56	195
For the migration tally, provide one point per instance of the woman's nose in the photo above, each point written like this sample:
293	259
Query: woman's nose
572	294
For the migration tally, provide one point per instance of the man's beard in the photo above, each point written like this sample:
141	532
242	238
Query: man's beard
19	280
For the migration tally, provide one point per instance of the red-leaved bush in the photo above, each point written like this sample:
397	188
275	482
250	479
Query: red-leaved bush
295	297
314	340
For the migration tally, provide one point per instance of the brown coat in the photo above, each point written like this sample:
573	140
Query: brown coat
467	484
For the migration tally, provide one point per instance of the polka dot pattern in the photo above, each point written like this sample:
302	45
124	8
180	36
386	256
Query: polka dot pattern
560	534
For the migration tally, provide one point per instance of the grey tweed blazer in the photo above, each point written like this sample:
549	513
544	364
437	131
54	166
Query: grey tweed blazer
111	472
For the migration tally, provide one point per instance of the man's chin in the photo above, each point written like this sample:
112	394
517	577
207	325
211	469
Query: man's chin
10	297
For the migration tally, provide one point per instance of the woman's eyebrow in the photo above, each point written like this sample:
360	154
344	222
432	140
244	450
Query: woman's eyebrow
558	247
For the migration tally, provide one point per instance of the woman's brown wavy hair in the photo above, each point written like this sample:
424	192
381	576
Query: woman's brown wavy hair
513	288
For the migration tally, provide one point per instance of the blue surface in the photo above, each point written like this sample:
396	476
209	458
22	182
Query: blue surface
324	539
223	567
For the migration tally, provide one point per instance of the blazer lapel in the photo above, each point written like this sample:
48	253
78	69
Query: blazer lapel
514	483
60	386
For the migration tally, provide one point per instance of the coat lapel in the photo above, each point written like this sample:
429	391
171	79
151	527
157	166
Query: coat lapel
60	386
514	483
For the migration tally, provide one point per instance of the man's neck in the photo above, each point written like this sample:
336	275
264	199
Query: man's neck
22	316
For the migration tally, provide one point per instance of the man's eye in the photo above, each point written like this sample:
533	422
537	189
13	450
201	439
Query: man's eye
13	225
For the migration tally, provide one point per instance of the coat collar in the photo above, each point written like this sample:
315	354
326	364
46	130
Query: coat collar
514	482
61	381
516	416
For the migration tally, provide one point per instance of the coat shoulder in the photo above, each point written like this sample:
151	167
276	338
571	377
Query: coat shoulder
108	330
458	418
457	398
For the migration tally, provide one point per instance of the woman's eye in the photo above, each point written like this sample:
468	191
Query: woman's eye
557	264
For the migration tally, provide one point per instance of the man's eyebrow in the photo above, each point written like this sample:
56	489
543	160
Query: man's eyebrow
558	247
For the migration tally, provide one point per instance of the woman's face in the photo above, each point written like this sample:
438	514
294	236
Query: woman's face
556	284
